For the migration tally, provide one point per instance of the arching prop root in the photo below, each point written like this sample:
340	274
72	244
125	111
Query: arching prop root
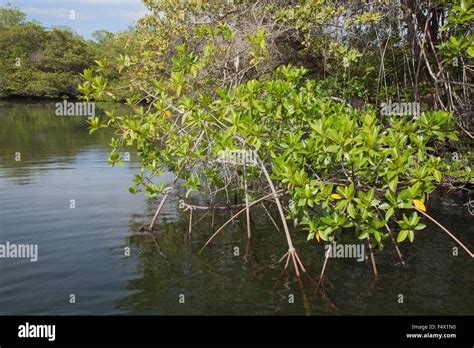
158	210
293	255
372	257
446	231
399	253
270	217
143	228
169	189
247	210
328	252
190	229
202	217
234	217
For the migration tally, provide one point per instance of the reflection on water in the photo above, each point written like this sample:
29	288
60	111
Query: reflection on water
82	250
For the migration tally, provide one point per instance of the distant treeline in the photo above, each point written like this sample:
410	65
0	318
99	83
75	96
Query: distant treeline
39	62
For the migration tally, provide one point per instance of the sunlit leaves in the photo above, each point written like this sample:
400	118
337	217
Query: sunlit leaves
344	169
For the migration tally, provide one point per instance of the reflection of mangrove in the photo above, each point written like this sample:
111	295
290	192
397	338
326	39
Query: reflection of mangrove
34	131
170	261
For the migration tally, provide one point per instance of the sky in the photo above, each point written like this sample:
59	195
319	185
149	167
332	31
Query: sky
90	15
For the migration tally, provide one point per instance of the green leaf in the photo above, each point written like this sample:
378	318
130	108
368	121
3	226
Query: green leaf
402	235
393	184
453	136
332	148
302	202
364	235
351	211
414	219
405	218
377	236
389	213
470	51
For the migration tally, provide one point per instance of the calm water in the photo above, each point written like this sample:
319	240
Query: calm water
81	250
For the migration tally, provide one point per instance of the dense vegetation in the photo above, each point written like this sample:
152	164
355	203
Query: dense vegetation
301	84
39	62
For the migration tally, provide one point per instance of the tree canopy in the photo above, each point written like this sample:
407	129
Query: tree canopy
305	86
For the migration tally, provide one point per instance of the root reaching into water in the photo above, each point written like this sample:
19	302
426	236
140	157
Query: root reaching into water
234	217
169	189
158	210
190	229
201	218
446	231
372	257
144	228
396	245
247	210
328	252
293	255
270	217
